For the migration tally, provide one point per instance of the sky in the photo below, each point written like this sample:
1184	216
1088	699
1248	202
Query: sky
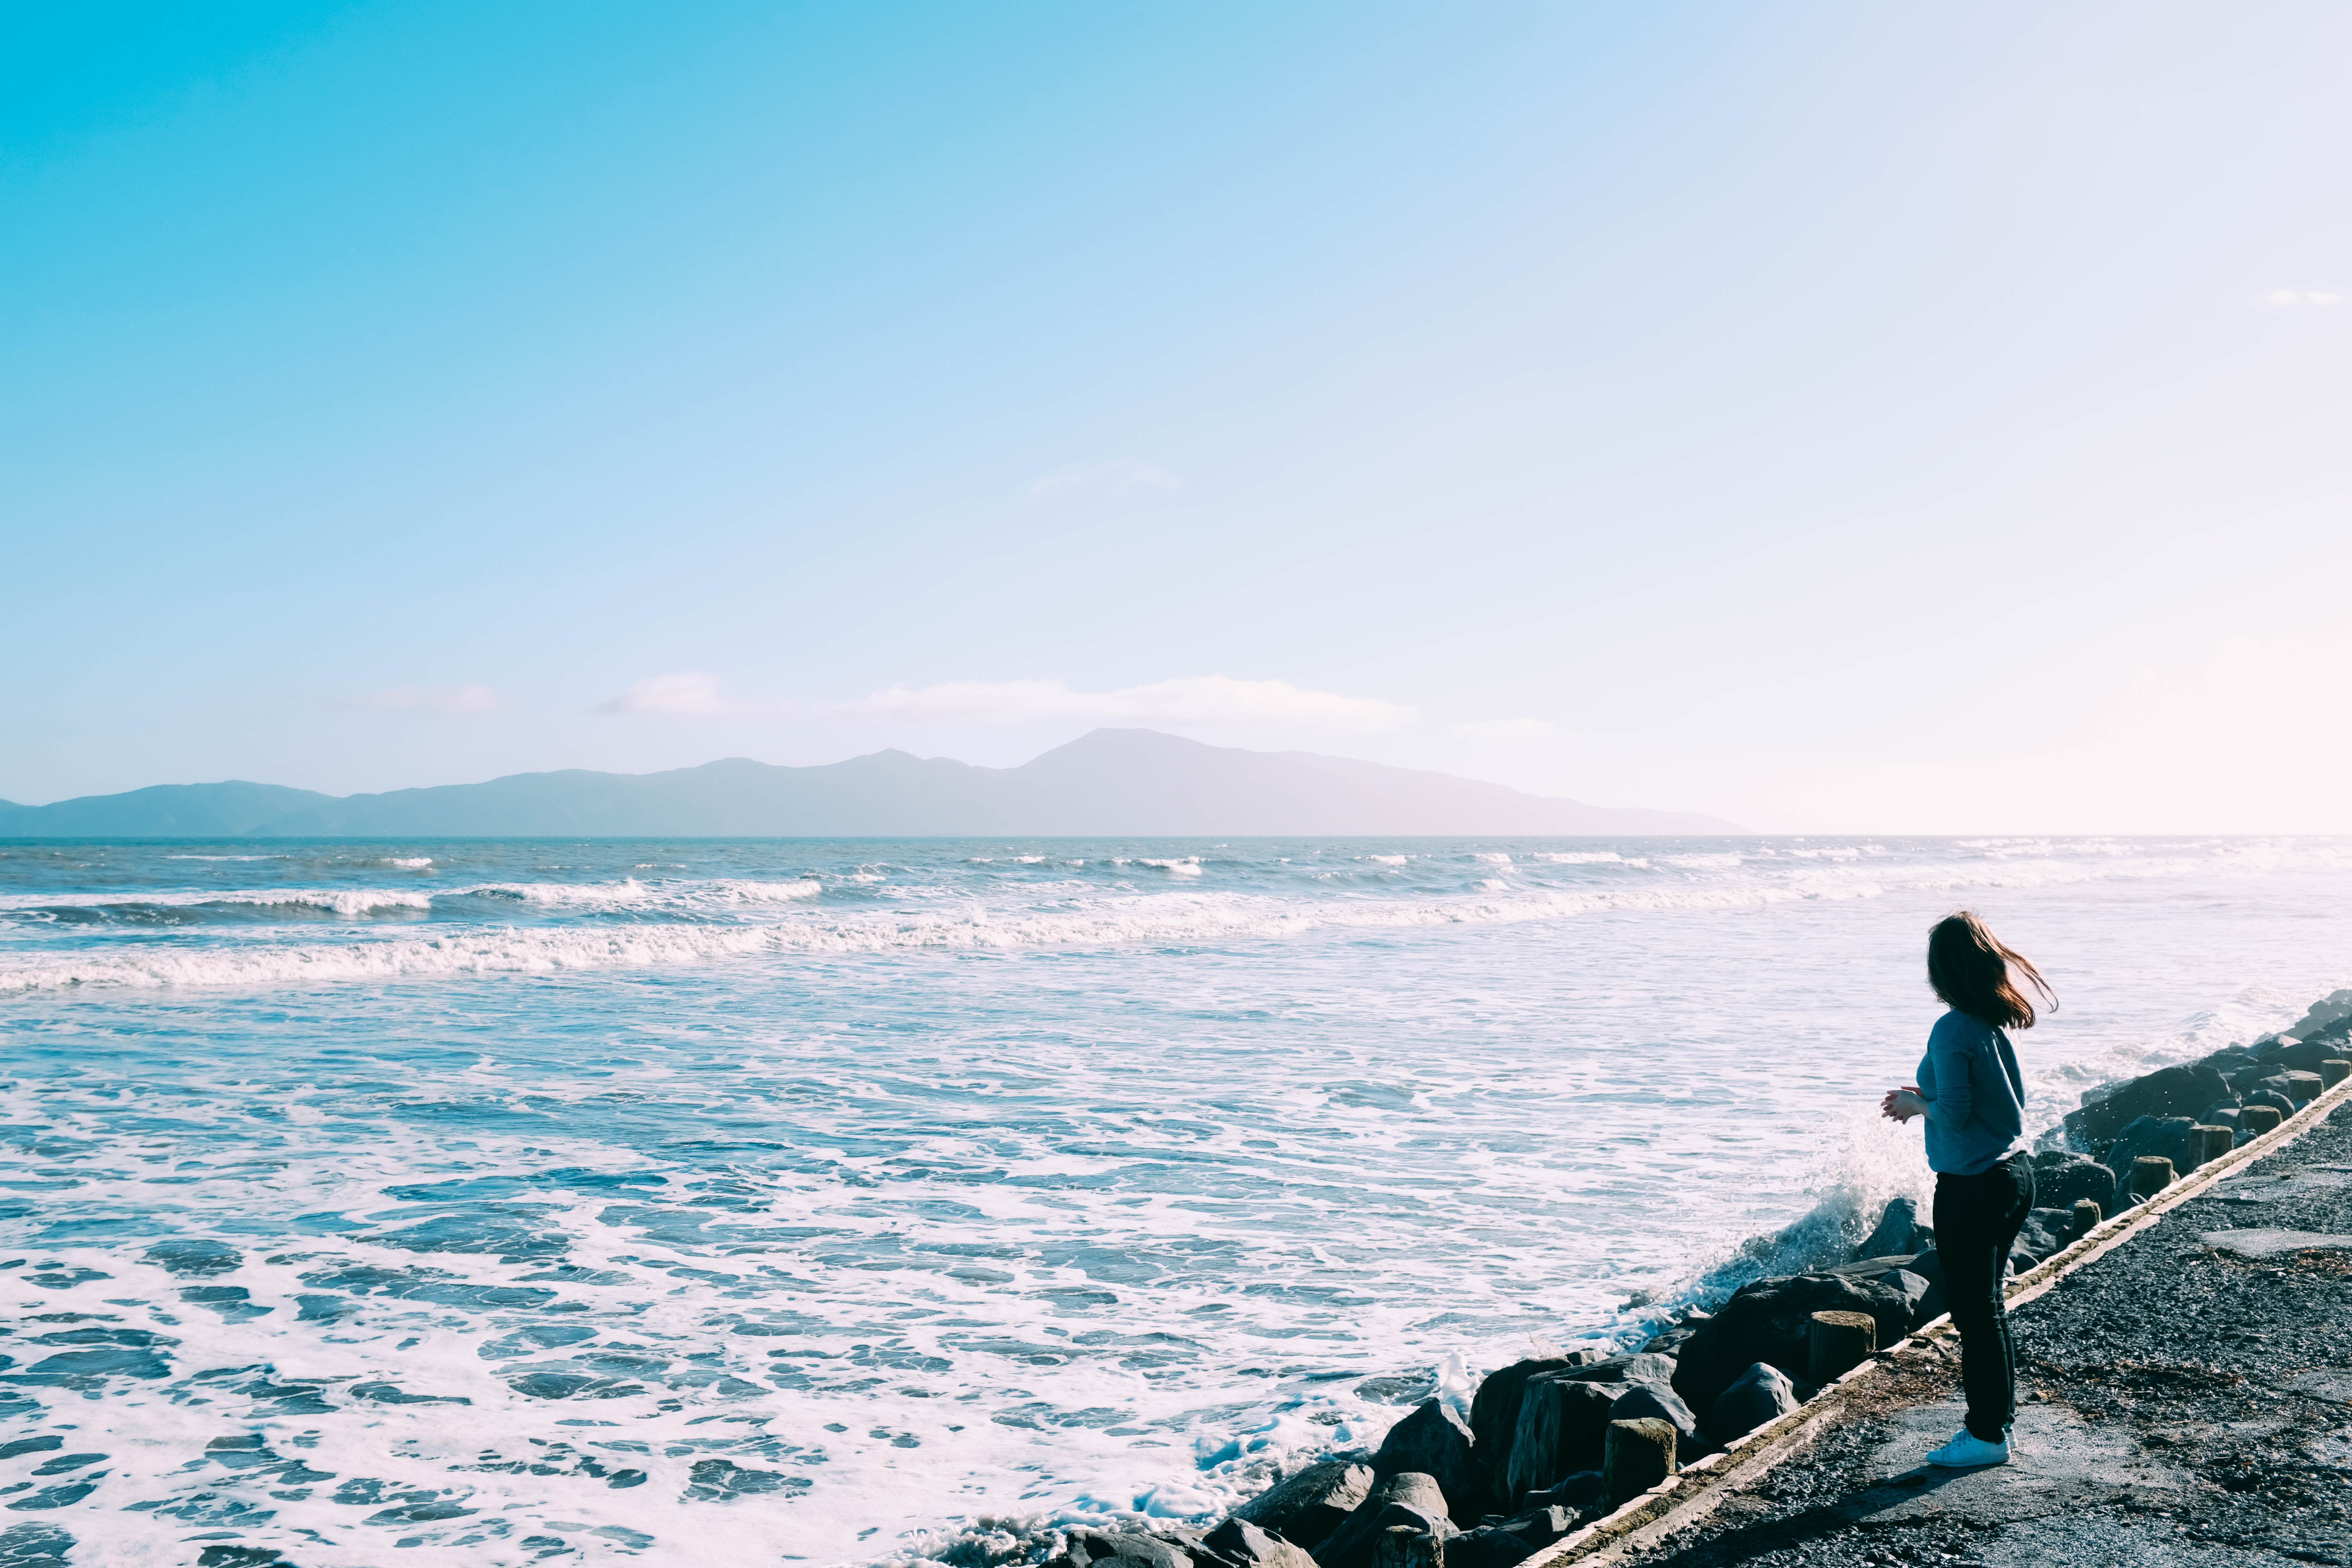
1833	417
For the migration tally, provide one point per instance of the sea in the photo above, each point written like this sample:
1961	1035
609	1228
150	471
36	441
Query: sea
894	1202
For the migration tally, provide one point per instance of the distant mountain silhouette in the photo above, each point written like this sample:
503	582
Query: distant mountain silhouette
1110	783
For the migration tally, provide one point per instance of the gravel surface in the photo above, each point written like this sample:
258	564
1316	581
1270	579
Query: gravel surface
2185	1399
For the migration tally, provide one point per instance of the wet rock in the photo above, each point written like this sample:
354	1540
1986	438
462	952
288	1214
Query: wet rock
1105	1546
1494	1420
1762	1394
1503	1543
1668	1342
1580	1493
1307	1506
1489	1546
1417	1495
1432	1441
1645	1367
2164	1136
1562	1421
2273	1094
1646	1401
1928	1266
1915	1288
1772	1321
1899	1232
2301	1055
2046	1232
1239	1542
2174	1091
2062	1180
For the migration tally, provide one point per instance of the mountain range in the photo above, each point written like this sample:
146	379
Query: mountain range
1109	782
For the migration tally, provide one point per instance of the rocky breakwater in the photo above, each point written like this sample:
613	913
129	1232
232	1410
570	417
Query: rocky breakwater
1552	1443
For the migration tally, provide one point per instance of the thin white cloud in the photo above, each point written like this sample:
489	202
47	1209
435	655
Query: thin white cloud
433	699
1193	700
687	694
1122	476
1505	729
2289	299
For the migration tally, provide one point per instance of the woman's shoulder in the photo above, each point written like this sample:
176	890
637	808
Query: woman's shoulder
1957	1030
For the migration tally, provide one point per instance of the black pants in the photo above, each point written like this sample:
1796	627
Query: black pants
1977	1220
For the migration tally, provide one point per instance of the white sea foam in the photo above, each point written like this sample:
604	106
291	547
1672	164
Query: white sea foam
860	1201
760	922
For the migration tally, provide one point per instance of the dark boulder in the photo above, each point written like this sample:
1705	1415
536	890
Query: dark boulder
2169	1091
2068	1177
2046	1232
1490	1546
2272	1098
1495	1422
1307	1506
1244	1545
1915	1288
1644	1367
1668	1341
1898	1234
1762	1394
1769	1321
1400	1498
1648	1400
1433	1442
1563	1421
2164	1135
1103	1547
1506	1541
1927	1265
2303	1056
1580	1493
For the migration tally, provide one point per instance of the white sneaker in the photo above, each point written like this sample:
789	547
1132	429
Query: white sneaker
1968	1450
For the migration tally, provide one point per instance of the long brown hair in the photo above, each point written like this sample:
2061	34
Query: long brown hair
1976	974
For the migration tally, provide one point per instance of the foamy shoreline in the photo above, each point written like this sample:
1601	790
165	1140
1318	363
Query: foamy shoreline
1324	1506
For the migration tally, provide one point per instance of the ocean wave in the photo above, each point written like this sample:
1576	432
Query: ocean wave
704	897
1160	919
350	902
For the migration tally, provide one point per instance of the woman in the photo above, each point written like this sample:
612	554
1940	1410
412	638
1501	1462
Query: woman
1974	1099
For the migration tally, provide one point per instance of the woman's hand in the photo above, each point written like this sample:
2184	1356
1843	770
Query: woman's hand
1903	1104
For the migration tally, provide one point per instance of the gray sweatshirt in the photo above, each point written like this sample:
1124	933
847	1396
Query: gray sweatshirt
1975	1095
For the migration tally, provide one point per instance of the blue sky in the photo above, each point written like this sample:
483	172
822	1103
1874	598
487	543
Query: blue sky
1829	416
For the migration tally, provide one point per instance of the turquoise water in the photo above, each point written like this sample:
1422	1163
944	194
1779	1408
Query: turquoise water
840	1201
